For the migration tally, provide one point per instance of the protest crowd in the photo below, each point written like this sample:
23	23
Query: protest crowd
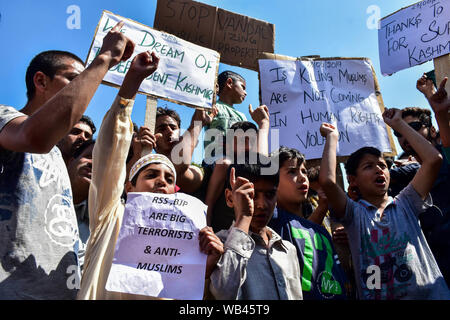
277	227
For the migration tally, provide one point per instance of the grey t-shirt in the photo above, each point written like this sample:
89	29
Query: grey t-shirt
393	249
38	227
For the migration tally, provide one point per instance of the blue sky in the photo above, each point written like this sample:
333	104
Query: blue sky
302	27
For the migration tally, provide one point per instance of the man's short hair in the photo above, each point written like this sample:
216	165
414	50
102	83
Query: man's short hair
355	158
48	62
223	77
87	120
286	153
78	151
252	171
160	111
424	115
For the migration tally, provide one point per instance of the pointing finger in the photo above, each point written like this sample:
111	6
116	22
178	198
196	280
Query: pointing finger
443	82
232	178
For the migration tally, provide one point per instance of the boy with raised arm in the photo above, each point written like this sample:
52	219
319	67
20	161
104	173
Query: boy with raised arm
256	263
391	257
151	173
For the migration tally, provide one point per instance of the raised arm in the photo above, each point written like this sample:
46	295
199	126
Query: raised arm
231	269
327	177
430	156
189	177
114	137
261	116
211	245
41	131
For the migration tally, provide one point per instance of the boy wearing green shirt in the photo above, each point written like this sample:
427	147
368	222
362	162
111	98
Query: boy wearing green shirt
231	86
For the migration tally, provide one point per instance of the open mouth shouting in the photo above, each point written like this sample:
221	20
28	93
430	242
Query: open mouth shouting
380	181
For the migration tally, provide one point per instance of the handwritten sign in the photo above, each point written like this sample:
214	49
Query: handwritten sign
186	73
157	251
414	35
302	94
238	38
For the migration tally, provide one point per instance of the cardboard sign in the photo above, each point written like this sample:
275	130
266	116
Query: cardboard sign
157	251
186	73
238	38
414	35
301	94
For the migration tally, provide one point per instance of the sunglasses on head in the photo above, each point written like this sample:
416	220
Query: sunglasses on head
416	125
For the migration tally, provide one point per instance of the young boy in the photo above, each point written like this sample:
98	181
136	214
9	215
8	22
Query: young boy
152	173
231	90
322	276
256	264
391	257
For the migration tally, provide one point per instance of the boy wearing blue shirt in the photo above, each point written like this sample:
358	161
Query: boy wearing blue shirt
322	276
391	257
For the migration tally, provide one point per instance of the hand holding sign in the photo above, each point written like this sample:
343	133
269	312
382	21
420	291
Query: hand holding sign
211	245
205	117
116	46
144	139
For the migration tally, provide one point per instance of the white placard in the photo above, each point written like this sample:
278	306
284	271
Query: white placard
186	73
414	35
301	95
157	252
